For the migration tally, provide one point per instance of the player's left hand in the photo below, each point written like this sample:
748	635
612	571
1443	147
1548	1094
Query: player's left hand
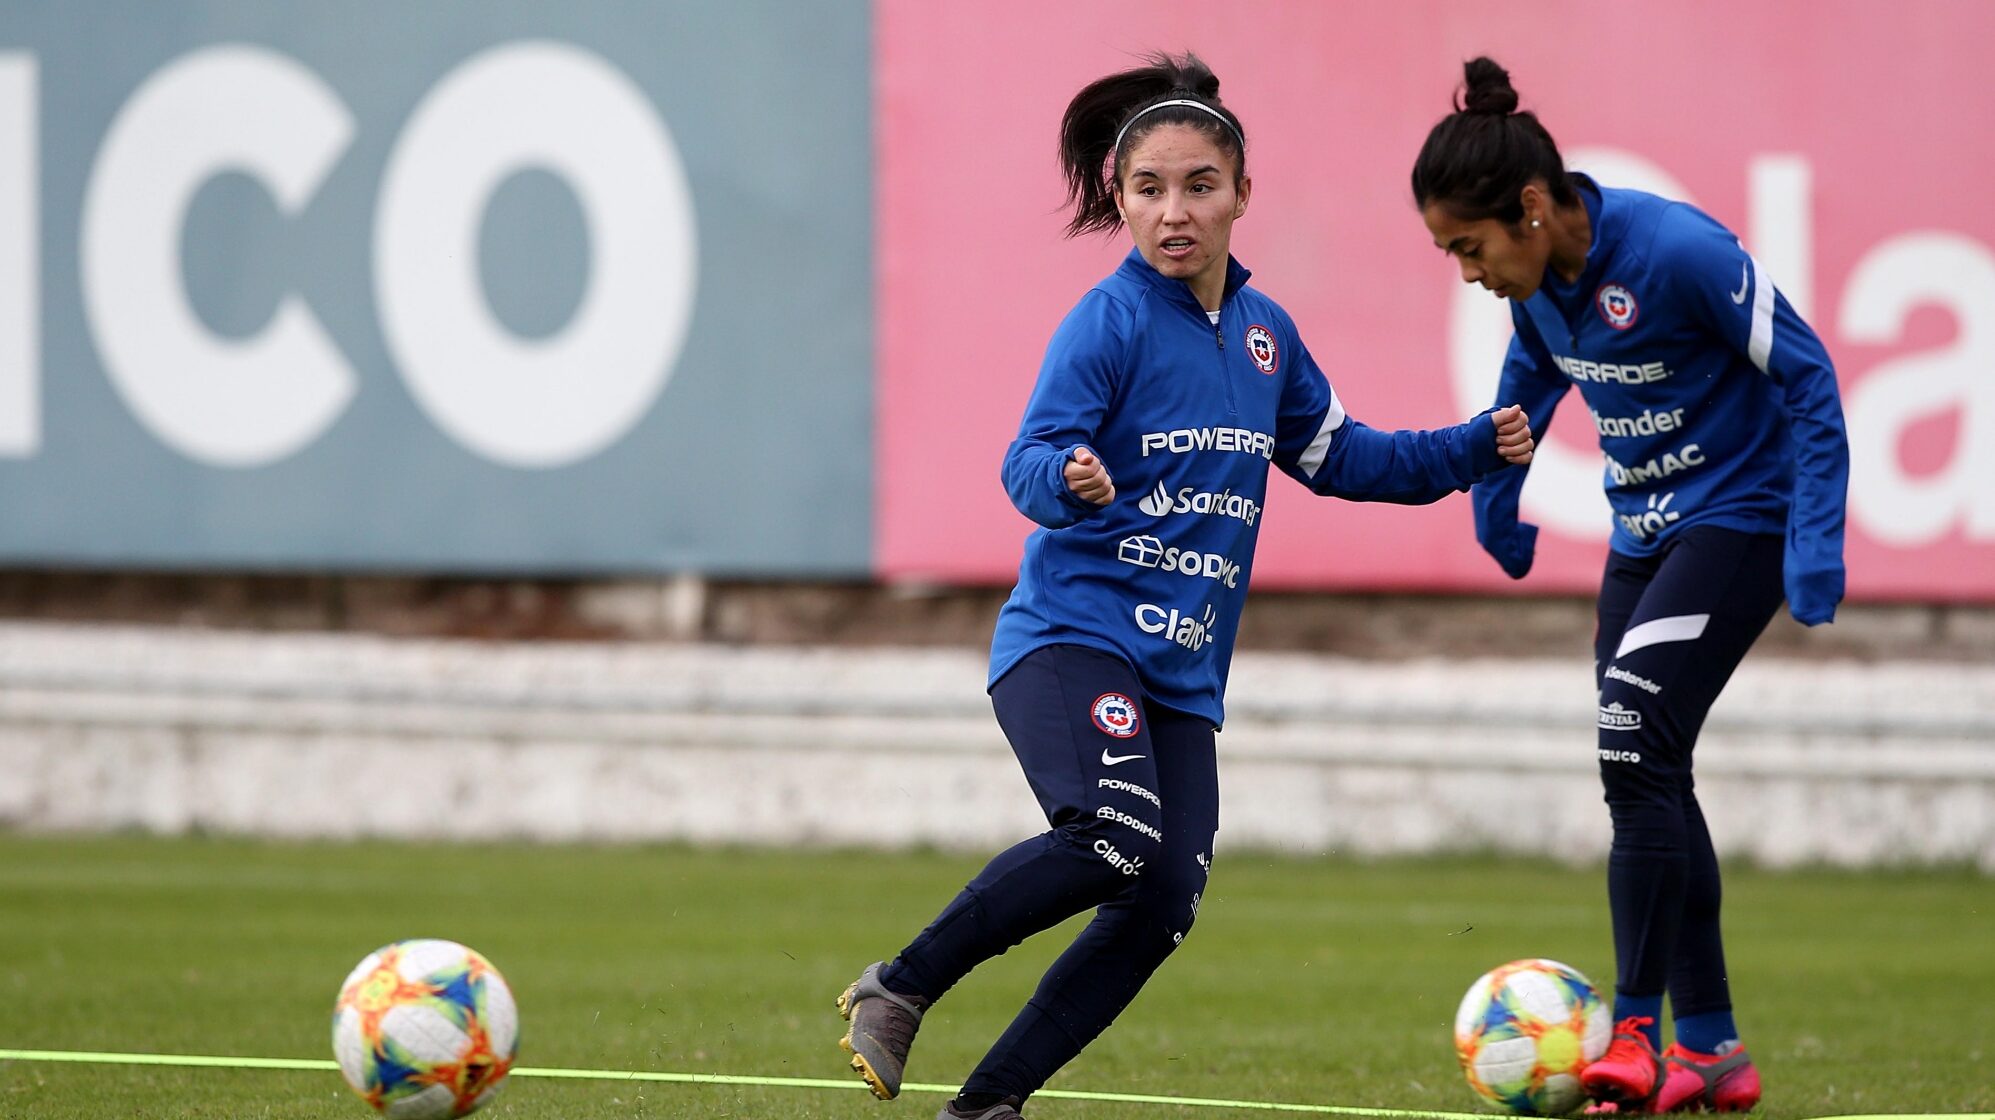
1513	435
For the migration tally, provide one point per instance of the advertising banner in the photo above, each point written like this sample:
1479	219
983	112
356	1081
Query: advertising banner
456	287
1848	144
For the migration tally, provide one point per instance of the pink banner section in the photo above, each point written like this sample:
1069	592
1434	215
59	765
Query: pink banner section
1849	144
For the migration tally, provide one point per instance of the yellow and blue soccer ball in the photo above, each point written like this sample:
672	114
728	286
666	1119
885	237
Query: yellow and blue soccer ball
425	1030
1524	1032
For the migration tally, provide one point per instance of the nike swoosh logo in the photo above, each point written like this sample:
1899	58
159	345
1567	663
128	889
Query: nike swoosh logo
1108	759
1745	276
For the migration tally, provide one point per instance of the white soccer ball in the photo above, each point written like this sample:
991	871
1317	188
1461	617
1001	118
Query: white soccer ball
425	1030
1524	1032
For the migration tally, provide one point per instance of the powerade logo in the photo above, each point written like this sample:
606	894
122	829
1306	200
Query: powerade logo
1225	503
1148	552
1246	441
1610	373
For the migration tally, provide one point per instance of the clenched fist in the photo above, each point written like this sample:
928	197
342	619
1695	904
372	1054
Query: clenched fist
1087	477
1513	435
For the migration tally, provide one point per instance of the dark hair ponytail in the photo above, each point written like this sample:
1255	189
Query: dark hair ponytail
1108	117
1478	159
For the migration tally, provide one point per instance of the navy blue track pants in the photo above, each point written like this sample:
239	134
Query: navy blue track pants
1131	791
1672	628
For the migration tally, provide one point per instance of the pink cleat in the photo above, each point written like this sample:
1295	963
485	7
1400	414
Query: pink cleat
1628	1077
1708	1082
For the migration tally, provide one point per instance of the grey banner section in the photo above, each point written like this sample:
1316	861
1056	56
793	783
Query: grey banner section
343	736
503	286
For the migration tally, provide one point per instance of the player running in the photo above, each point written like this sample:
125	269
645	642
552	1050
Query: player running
1717	412
1143	455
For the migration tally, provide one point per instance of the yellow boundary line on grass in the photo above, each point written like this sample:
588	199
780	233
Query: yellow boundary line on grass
218	1062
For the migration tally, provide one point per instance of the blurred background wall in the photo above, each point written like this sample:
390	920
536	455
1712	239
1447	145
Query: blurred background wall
681	333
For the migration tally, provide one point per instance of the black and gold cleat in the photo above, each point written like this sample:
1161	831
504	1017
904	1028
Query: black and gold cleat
882	1030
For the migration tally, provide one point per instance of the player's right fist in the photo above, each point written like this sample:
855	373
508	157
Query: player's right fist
1088	478
1513	435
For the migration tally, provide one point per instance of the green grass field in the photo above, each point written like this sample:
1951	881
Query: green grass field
1321	982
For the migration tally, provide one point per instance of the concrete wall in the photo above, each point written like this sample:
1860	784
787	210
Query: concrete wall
342	735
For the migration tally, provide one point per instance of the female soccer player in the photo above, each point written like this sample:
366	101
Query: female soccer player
1718	415
1143	457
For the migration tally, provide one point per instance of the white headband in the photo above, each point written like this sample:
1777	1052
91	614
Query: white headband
1190	104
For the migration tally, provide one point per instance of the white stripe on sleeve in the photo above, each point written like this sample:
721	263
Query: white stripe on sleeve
1759	346
1313	455
1656	631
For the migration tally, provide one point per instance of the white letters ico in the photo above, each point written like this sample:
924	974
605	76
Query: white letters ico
247	402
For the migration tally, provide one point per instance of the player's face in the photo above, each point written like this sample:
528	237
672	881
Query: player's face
1507	260
1178	196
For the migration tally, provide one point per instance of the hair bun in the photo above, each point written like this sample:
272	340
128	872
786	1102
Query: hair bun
1486	88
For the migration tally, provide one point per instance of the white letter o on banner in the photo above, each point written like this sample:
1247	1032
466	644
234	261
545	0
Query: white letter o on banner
535	402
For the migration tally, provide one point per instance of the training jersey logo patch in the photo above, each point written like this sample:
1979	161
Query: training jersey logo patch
1261	347
1617	306
1115	714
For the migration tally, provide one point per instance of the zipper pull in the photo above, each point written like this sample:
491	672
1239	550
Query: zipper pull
1219	334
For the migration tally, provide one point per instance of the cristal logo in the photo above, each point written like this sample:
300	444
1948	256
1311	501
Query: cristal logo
1224	503
1172	625
1148	552
1614	717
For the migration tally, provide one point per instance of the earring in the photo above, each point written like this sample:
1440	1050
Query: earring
1535	223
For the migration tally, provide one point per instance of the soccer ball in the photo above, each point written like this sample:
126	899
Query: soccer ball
1525	1030
425	1030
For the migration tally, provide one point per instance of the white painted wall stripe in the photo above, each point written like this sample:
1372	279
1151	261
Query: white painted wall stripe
20	258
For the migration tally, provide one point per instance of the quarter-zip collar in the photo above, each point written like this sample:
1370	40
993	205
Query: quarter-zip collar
1608	220
1136	268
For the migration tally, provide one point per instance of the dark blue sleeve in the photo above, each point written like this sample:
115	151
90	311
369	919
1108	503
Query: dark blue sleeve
1726	290
1320	446
1527	380
1076	384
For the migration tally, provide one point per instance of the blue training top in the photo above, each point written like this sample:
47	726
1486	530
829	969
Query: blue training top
1715	403
1186	417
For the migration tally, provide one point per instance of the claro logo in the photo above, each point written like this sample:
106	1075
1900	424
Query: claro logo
1193	633
237	109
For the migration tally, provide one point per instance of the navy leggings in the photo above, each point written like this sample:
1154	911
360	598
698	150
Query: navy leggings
1131	790
1673	627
